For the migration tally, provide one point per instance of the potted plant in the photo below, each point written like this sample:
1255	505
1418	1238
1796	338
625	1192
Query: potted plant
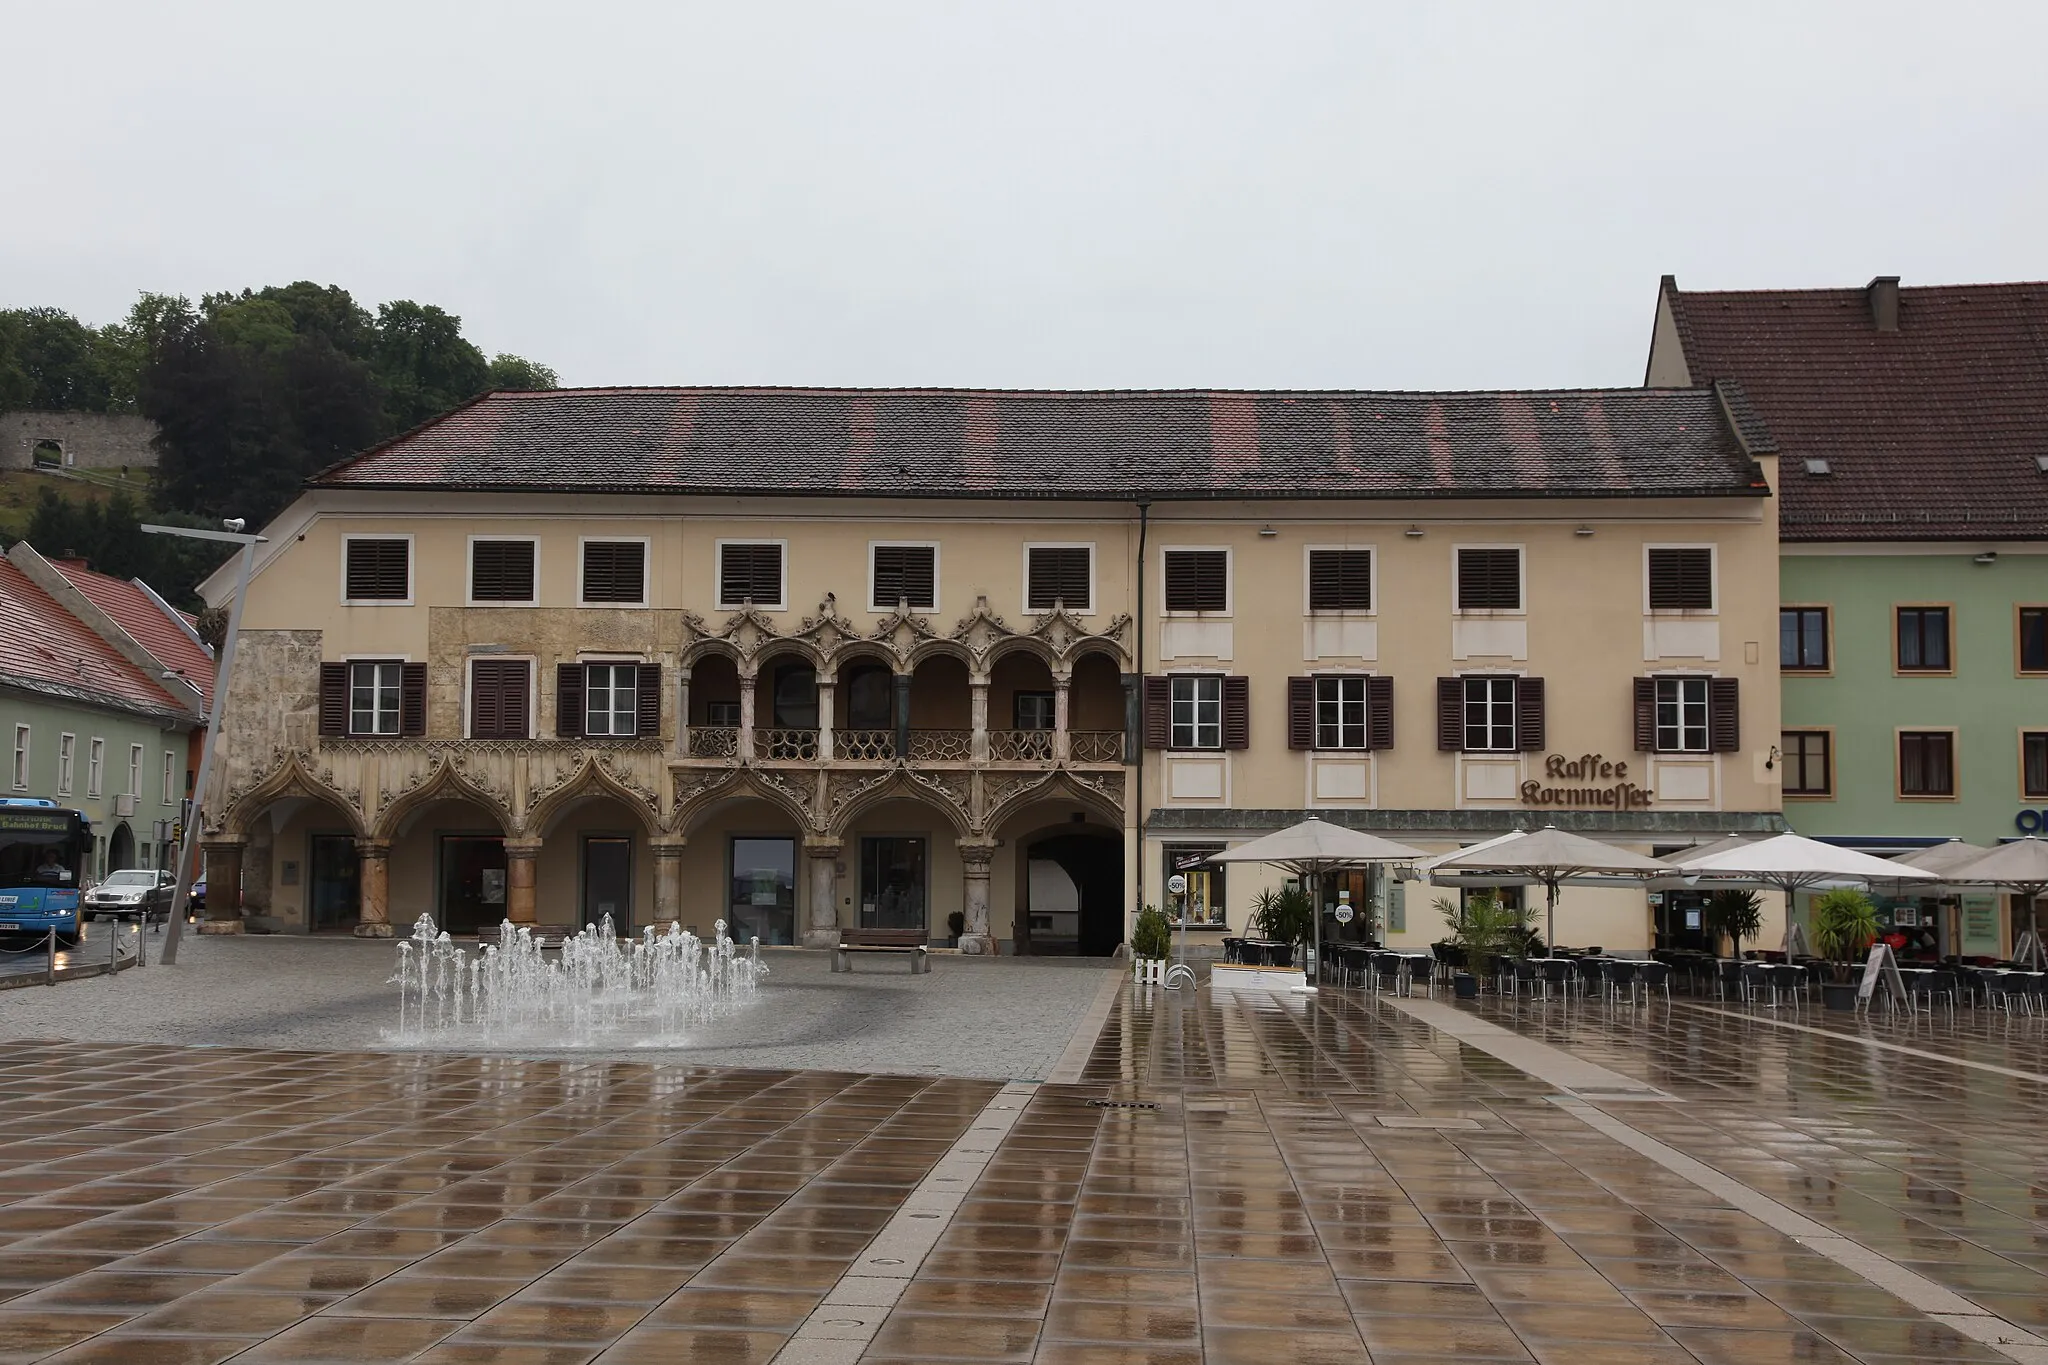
1284	916
1151	940
1738	914
1844	926
956	925
1486	927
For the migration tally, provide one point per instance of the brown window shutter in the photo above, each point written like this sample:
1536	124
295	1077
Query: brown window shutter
1489	580
569	701
1379	712
1724	715
1057	574
1197	580
1340	580
412	699
1158	698
516	700
1237	713
750	573
486	695
1450	714
378	570
1682	578
647	701
1301	713
1646	715
904	573
501	571
333	700
1530	724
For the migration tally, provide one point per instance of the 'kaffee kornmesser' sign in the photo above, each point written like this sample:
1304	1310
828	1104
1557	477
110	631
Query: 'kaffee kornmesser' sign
1588	780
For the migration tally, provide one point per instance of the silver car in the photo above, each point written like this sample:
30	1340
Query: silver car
133	891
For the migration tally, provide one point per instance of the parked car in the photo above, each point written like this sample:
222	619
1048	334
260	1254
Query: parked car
131	891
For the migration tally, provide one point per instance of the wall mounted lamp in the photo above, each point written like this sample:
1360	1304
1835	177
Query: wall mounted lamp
1413	533
1583	532
1771	759
1988	557
1267	531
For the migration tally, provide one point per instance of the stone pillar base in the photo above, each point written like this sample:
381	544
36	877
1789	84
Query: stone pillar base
220	926
821	938
373	931
979	945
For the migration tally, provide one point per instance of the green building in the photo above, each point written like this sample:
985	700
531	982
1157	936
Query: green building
1912	426
103	693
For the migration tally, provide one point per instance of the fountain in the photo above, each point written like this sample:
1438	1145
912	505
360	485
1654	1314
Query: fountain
598	993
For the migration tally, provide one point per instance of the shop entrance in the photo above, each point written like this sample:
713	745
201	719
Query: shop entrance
761	902
472	889
893	882
608	881
1681	921
331	895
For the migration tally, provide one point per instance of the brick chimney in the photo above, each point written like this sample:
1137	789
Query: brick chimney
1883	293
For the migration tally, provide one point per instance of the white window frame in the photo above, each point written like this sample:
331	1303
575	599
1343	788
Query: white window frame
1024	574
874	604
1465	703
1363	705
1521	550
67	758
469	581
718	572
135	752
95	766
411	570
646	570
22	737
1339	613
170	777
354	661
1229	582
1714	577
532	686
634	664
1197	701
1706	709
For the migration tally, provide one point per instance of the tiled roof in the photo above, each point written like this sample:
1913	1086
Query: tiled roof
46	649
1930	432
1172	445
146	618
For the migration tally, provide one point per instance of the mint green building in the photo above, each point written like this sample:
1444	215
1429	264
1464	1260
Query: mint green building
1912	426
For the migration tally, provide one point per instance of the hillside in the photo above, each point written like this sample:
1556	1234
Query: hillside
19	489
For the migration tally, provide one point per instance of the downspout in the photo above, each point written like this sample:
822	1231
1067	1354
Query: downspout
1138	702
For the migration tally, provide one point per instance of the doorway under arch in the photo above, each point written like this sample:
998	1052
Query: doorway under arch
1070	891
120	848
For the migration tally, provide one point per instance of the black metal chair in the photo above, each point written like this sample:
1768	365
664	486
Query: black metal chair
1655	976
1729	978
1557	973
1788	980
1233	949
1932	986
1386	972
1756	979
1618	976
1588	969
1525	974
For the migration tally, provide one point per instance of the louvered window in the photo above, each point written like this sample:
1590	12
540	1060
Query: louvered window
615	571
378	570
905	574
1489	580
498	695
1682	579
750	572
1197	580
1340	580
1057	575
501	571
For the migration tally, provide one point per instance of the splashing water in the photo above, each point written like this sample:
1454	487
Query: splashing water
598	993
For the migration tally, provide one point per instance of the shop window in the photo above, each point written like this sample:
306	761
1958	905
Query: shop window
1927	765
1808	756
1200	900
1803	639
1923	640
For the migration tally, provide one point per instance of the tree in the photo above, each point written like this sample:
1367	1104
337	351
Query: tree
50	361
426	366
105	535
514	372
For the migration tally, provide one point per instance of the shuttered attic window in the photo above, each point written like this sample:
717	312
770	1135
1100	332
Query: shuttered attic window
1057	575
750	572
1197	580
1489	580
377	569
501	571
907	574
1682	579
1340	580
615	571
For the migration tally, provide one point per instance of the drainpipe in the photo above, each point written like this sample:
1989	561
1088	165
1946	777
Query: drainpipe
1137	730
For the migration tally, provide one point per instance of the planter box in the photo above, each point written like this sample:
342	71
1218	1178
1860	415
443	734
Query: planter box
1236	976
1838	996
1149	971
1465	986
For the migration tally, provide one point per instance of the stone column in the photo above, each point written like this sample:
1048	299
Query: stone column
823	919
901	694
976	859
373	888
520	903
825	691
682	744
668	882
977	691
223	885
1062	732
744	749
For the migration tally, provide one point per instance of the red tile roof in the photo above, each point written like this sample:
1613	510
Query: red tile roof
1930	432
46	649
147	619
1113	445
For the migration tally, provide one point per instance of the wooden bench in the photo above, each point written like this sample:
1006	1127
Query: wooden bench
910	941
545	935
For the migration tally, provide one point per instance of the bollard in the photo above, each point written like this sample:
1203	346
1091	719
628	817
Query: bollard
114	950
141	940
50	974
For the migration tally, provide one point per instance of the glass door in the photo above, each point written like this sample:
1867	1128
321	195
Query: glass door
608	882
472	882
331	890
892	882
762	900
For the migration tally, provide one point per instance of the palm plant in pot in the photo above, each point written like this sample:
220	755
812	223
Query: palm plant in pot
1486	927
1285	915
1738	914
1844	926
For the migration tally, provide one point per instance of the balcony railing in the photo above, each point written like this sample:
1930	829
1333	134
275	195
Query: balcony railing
941	746
717	742
785	743
1020	746
714	741
864	744
1096	746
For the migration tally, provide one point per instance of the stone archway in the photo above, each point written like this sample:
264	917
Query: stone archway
120	847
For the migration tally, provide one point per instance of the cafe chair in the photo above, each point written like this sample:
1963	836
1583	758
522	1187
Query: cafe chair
1756	979
1931	986
1788	980
1386	972
1619	977
1558	973
1655	976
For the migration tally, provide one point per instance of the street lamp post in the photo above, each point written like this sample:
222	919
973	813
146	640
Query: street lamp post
188	847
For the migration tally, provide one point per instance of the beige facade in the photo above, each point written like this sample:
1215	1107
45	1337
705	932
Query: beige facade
923	753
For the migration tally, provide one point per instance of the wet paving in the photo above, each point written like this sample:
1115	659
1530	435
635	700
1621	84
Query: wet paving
1235	1177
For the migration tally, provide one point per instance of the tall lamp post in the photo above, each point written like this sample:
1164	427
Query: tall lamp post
188	848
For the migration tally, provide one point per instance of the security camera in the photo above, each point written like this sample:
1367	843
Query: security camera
235	524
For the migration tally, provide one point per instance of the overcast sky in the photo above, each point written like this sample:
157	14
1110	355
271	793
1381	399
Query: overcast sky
1095	194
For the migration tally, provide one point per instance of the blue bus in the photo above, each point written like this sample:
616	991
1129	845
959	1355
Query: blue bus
43	850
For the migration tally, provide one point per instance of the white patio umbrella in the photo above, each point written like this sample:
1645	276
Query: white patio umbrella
1553	857
1312	848
1791	862
2020	867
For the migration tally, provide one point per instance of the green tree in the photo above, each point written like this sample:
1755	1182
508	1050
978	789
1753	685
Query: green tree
106	535
426	366
50	361
516	372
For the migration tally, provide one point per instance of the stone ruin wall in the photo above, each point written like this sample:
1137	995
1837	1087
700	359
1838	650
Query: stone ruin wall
90	440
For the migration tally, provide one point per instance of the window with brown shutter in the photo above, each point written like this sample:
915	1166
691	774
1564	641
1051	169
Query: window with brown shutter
1489	580
1197	580
498	698
1340	580
1379	712
1157	705
1057	575
501	571
1682	579
1301	713
1646	715
1237	712
750	572
906	574
378	570
333	700
569	701
412	701
615	571
1531	722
